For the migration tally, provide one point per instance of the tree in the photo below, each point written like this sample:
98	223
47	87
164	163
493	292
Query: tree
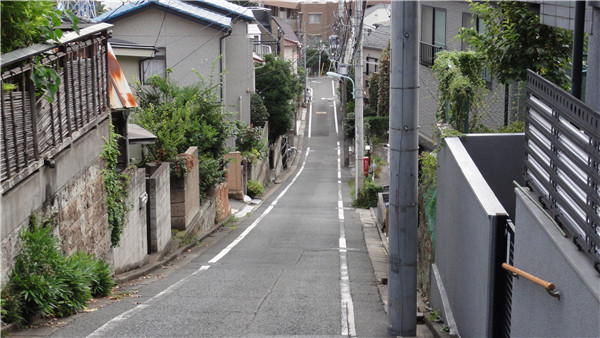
258	111
25	23
278	87
461	87
514	40
383	103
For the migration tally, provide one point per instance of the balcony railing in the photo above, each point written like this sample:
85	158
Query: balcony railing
563	161
33	129
427	53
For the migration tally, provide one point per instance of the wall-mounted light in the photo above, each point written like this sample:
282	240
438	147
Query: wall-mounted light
50	163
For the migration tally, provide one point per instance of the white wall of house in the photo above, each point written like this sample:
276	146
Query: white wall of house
189	45
239	67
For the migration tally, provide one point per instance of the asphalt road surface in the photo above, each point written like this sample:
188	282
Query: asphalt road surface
297	266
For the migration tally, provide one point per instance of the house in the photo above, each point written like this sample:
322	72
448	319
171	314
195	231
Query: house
374	42
51	164
207	37
290	48
317	19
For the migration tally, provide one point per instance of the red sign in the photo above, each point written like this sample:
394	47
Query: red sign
366	166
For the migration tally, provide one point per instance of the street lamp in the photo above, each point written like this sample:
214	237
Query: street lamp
339	76
358	135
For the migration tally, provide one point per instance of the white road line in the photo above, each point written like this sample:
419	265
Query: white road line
348	322
333	87
309	119
335	116
104	329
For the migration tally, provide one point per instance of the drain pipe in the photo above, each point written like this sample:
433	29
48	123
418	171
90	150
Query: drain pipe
221	60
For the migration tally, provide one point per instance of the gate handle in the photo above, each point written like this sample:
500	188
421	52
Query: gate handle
547	285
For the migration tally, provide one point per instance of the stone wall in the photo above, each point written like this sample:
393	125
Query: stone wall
158	186
185	195
133	246
72	191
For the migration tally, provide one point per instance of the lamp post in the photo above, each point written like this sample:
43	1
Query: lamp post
339	76
357	138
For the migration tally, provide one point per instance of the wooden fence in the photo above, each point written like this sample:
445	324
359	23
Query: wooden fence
33	129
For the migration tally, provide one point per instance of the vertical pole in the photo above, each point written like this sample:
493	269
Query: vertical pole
305	70
592	88
358	101
404	144
577	49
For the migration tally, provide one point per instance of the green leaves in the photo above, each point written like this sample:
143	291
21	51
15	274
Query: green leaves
45	282
514	40
116	188
278	86
46	81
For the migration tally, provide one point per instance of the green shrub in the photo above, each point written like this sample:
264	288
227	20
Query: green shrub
258	111
367	196
255	189
43	281
211	173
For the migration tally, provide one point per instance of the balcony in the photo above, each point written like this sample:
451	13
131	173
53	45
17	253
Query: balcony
33	129
427	53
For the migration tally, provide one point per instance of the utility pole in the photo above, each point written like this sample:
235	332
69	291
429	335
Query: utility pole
404	145
358	101
305	70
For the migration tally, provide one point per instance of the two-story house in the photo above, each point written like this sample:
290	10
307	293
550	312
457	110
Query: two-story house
209	37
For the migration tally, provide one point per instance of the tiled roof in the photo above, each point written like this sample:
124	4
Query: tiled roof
288	31
379	38
226	7
174	5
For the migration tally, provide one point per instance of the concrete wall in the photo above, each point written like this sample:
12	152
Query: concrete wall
185	195
180	36
72	190
499	158
467	213
542	251
133	246
158	186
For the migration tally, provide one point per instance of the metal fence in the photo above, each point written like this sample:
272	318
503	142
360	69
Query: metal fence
562	163
33	129
427	53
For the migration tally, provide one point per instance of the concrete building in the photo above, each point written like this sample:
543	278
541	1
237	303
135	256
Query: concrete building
211	39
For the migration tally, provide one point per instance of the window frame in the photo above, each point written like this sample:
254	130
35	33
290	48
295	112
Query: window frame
161	55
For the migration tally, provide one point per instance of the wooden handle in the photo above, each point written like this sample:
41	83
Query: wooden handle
548	286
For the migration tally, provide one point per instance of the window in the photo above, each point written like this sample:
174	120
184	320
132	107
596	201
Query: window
433	26
433	33
154	66
314	18
371	64
469	21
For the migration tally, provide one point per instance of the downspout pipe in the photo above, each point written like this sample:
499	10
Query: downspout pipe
221	66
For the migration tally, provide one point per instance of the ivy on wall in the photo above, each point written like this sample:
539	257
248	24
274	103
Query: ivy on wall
115	184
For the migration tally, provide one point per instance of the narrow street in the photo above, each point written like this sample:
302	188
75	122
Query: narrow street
298	265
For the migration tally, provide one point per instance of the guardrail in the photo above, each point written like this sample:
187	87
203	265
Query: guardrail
33	129
562	162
